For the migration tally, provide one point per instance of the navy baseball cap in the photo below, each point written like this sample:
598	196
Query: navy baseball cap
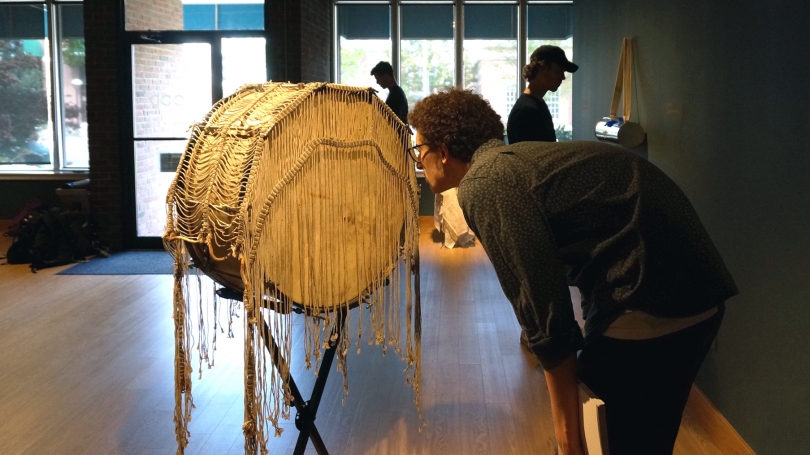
554	54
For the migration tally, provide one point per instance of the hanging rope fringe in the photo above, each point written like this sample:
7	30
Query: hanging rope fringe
297	196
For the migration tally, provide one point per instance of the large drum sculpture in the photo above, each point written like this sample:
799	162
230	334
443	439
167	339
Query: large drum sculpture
296	197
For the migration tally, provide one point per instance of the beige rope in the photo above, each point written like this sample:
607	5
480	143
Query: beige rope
306	192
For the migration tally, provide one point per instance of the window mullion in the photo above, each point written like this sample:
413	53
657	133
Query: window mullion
522	44
395	37
56	85
216	68
336	43
458	35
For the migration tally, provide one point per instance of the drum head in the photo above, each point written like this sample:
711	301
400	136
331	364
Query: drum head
333	231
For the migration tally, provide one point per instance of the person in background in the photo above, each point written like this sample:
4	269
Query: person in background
613	225
384	74
530	119
37	153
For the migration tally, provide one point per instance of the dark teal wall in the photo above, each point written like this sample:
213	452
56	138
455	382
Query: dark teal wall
722	90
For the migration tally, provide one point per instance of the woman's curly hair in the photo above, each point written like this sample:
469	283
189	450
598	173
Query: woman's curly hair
457	118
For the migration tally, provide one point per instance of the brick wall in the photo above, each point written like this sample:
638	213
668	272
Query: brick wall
154	15
109	187
316	40
299	37
103	117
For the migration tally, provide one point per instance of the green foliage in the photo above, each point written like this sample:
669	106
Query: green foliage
357	57
73	52
499	55
426	67
350	64
22	97
563	134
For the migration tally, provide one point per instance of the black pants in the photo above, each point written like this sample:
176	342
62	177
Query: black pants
645	384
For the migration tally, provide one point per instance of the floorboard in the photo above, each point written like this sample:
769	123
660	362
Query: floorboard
87	368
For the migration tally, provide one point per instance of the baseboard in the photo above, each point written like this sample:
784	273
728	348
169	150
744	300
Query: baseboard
717	428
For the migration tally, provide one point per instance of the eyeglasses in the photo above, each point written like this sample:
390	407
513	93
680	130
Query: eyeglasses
414	152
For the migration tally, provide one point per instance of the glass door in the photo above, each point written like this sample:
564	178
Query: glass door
171	90
174	84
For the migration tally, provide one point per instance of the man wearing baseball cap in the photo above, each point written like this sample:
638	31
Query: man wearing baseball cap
530	119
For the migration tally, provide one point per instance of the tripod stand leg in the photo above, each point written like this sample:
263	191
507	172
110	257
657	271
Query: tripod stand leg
305	419
306	410
317	442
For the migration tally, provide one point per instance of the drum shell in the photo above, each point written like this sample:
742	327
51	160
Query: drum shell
225	272
626	134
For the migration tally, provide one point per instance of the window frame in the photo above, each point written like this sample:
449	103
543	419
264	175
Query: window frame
130	38
458	33
57	170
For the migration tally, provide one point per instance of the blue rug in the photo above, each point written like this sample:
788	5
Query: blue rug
125	263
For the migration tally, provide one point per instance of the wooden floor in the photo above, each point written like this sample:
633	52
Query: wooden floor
86	368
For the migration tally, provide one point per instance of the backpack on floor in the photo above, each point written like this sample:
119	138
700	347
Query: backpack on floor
49	238
32	205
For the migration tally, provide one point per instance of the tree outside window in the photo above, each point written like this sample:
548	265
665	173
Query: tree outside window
25	102
34	59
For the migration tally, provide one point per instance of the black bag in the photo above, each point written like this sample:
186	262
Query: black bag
32	205
54	237
20	250
52	244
